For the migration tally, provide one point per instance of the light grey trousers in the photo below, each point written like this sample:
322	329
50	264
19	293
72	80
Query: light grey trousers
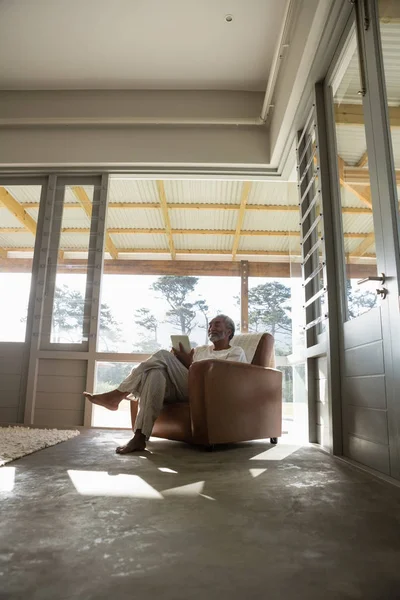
161	378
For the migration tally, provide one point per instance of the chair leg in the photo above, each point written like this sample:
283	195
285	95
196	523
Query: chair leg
273	440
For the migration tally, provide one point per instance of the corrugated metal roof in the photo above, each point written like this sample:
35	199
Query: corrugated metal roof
25	193
133	190
18	240
277	244
75	217
203	219
351	143
74	240
395	134
358	223
350	85
350	200
351	245
272	221
70	198
140	218
203	242
140	240
8	220
203	191
267	192
390	35
33	212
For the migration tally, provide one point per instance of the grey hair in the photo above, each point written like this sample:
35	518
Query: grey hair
229	323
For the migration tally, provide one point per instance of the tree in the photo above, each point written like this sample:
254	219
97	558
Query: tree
68	312
269	308
146	320
203	308
175	290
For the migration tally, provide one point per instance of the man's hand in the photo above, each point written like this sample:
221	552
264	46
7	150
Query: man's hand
185	358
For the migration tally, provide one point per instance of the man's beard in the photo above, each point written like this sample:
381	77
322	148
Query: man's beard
215	337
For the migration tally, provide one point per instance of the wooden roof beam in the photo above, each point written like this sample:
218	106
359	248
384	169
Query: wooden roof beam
130	230
85	203
249	207
364	195
167	223
16	209
246	189
363	160
362	248
353	114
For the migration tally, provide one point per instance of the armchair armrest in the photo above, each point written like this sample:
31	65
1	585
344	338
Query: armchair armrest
233	402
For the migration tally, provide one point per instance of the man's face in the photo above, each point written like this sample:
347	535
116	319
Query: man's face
217	330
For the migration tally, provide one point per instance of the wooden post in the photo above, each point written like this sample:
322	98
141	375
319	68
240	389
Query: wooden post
244	296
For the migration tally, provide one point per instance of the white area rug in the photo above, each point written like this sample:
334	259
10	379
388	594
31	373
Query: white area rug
16	442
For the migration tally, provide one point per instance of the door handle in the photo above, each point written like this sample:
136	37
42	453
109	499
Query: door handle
382	292
382	279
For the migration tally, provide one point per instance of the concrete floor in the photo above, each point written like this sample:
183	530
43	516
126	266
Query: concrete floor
182	524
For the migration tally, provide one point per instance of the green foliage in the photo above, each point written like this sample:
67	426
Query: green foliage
68	312
269	308
110	375
175	290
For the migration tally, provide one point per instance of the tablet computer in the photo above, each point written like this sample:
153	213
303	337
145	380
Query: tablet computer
180	339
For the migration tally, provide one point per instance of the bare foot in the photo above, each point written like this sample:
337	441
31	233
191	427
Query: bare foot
136	444
109	400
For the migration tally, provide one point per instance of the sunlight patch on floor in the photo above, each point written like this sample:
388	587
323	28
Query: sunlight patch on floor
256	472
7	478
166	470
192	489
101	483
279	452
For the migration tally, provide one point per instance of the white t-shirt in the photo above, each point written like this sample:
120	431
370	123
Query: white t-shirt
234	353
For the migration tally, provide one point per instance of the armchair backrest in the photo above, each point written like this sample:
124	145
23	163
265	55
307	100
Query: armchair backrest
259	348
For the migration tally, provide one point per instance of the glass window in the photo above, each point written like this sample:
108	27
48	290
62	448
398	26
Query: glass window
19	207
389	13
108	377
140	312
356	205
70	281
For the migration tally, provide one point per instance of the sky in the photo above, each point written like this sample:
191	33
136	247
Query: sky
124	295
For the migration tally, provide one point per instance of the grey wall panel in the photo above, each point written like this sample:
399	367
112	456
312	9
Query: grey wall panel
364	360
9	415
363	330
60	400
9	398
58	418
11	357
367	423
63	368
368	391
11	364
10	382
53	383
368	453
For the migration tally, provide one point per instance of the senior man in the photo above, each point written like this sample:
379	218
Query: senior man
164	378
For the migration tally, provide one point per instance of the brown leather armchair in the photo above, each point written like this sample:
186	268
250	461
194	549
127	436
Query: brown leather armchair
228	402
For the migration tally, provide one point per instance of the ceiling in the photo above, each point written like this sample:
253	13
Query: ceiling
206	220
138	44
